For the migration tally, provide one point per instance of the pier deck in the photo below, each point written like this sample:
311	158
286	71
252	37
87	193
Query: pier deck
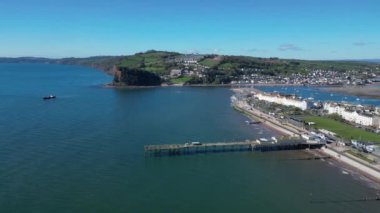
188	149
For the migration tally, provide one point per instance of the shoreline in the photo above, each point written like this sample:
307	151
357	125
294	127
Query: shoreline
346	167
110	85
344	158
264	121
351	163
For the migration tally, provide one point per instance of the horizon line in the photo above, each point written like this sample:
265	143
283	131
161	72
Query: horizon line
184	53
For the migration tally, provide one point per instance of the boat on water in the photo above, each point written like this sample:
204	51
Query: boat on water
49	97
196	143
274	139
261	140
252	122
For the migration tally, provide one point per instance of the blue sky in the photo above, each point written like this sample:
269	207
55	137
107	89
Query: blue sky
306	29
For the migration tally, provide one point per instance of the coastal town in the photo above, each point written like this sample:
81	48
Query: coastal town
313	78
193	65
200	106
297	117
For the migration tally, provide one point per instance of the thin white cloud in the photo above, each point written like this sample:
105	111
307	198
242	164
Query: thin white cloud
362	43
289	47
253	50
250	50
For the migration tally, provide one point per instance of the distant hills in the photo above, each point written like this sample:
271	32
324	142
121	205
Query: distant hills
197	69
25	60
374	61
104	63
369	60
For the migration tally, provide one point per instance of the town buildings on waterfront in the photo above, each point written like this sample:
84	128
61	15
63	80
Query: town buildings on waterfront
365	116
313	78
287	100
368	116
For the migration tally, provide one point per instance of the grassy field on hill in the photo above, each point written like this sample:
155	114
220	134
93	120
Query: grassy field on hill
343	130
152	61
209	62
180	80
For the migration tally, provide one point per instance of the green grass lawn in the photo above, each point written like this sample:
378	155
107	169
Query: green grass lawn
209	62
149	61
180	80
132	62
343	130
228	66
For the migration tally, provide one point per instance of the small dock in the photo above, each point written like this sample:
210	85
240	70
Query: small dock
244	146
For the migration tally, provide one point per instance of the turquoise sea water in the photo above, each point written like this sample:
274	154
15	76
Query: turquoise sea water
83	152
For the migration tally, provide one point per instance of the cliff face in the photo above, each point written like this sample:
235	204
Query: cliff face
135	77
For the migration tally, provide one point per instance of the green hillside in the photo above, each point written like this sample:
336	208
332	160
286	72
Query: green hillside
153	61
210	62
276	66
211	69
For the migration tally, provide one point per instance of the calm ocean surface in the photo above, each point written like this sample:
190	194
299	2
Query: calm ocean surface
83	152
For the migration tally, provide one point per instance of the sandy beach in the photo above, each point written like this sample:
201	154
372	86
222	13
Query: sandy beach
364	170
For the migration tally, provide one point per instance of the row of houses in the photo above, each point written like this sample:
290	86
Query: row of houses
364	116
189	58
354	114
287	100
314	77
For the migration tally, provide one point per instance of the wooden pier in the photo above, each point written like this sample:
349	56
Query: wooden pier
189	149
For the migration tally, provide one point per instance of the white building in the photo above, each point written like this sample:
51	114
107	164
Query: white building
175	73
283	100
349	113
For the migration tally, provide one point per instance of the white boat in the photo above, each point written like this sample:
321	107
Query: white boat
274	139
49	97
263	140
196	143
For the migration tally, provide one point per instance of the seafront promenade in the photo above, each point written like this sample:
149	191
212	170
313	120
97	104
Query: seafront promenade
268	120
